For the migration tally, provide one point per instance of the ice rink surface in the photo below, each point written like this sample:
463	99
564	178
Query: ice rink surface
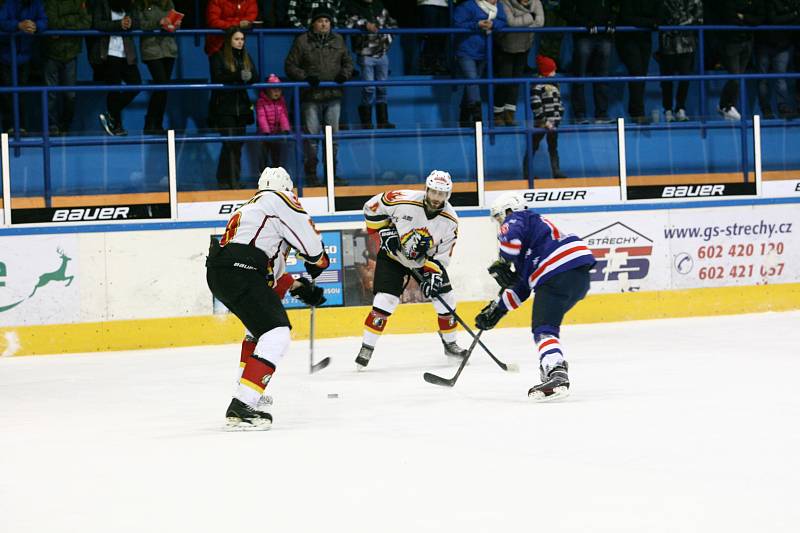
685	425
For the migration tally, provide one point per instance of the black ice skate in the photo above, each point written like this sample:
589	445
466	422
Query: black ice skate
451	349
363	357
554	385
242	417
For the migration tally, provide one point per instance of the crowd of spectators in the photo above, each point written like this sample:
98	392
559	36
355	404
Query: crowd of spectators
321	54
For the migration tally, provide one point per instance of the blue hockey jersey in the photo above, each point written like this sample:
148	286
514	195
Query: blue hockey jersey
538	251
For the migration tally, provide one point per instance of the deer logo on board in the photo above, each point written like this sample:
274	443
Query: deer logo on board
60	274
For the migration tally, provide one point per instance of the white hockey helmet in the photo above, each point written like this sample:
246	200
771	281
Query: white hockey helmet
504	202
439	180
275	179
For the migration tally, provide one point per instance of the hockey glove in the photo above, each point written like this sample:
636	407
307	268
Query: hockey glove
431	284
316	268
307	293
313	81
390	240
503	273
489	316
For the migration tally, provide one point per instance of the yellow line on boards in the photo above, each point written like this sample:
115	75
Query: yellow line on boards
409	318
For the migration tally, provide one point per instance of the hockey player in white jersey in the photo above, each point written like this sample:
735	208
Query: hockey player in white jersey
417	230
246	271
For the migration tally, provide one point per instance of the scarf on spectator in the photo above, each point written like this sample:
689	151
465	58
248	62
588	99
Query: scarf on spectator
486	7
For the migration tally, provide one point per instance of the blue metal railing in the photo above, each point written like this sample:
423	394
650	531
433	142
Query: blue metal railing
298	136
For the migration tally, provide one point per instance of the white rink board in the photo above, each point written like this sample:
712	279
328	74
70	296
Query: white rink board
39	279
129	275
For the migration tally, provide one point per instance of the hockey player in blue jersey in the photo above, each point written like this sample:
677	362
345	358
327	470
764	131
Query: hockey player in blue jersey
536	256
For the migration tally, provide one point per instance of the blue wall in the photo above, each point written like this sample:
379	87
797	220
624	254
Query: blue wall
590	151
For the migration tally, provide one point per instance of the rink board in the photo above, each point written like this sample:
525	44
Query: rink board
98	288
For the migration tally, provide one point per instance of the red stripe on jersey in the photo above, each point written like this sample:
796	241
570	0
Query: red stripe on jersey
553	229
511	247
543	267
510	299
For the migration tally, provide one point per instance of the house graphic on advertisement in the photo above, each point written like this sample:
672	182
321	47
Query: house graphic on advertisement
622	254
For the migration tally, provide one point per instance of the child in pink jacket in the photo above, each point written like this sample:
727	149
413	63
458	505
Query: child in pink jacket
272	118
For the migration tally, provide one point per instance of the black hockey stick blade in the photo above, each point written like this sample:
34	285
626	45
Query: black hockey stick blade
315	367
433	379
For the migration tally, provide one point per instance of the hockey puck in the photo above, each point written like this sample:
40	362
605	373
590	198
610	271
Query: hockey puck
333	395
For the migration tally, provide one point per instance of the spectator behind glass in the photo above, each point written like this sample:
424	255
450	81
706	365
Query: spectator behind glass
482	16
299	12
60	59
591	53
432	58
773	53
28	17
547	113
116	55
225	14
372	51
159	54
549	44
273	119
676	53
511	55
736	48
230	110
635	49
319	55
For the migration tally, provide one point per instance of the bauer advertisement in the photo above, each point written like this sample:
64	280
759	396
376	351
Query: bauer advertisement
689	248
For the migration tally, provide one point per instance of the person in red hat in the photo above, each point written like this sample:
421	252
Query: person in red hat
547	113
272	117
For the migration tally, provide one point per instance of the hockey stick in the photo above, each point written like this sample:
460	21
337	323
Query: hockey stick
438	380
512	367
314	367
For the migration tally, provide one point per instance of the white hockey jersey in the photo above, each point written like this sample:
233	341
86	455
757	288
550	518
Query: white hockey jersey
404	209
273	221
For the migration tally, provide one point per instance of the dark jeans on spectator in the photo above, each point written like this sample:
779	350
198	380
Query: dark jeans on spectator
7	99
272	153
115	71
634	48
508	65
735	57
675	65
434	47
161	71
591	54
57	73
229	167
471	69
776	61
317	115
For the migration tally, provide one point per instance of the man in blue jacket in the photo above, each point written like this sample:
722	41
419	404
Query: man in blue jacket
536	256
25	17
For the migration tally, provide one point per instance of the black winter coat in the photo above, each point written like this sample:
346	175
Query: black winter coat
231	102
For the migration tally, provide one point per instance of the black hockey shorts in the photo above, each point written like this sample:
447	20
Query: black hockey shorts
246	294
558	295
391	277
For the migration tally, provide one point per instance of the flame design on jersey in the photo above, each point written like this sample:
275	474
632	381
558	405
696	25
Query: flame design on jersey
416	243
391	196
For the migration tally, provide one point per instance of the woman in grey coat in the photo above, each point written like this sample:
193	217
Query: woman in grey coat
511	55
